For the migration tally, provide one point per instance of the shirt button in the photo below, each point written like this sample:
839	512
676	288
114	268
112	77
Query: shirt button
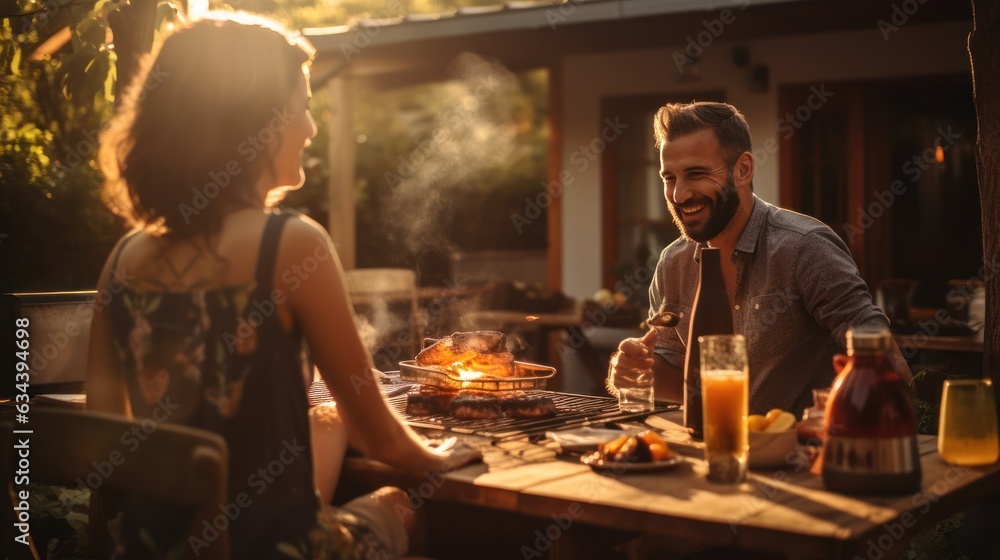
737	307
756	306
682	314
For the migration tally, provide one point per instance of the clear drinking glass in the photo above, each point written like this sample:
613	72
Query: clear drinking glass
967	432
635	390
724	393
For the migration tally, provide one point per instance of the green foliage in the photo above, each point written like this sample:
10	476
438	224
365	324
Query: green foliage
442	170
932	542
927	401
55	232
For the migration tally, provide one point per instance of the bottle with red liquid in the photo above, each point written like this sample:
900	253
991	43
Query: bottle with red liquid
709	315
871	425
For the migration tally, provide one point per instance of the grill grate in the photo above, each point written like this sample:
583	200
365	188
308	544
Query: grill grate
573	411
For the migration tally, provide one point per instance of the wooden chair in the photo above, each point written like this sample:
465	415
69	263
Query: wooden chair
173	463
374	290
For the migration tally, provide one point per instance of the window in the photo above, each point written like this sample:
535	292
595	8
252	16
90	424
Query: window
636	223
890	166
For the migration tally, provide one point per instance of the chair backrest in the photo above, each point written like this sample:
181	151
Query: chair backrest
894	296
165	461
375	287
381	281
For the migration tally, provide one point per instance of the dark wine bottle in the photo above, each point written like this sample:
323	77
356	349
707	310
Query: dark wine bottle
709	315
871	425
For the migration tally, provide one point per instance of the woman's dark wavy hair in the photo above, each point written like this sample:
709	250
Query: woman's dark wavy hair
182	148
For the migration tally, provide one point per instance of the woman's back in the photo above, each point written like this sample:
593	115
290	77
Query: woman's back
197	330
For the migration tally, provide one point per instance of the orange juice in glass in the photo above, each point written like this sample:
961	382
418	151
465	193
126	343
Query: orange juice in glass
725	395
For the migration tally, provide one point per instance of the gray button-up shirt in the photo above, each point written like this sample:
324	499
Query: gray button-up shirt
797	292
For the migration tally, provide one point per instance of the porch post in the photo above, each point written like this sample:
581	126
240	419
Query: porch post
342	160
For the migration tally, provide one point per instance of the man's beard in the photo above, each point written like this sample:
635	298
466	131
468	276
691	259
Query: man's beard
721	212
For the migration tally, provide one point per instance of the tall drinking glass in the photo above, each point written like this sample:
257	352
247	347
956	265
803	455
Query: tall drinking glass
724	393
967	432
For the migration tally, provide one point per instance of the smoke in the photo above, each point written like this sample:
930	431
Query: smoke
458	150
471	137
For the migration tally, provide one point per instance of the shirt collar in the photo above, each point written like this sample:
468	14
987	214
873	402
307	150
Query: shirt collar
748	239
755	226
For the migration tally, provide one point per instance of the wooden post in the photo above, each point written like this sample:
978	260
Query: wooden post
342	160
984	48
555	167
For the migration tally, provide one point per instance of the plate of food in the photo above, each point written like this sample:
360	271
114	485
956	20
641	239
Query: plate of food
599	464
642	452
586	438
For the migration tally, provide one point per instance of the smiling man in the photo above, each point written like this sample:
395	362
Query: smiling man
793	288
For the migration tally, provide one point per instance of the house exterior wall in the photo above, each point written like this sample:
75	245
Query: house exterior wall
815	59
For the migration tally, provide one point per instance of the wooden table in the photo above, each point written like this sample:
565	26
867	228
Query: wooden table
928	341
972	343
786	511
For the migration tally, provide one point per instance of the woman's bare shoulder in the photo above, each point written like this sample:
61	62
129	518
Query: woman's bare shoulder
304	236
302	225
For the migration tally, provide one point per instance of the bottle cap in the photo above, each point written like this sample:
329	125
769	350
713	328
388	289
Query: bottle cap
867	340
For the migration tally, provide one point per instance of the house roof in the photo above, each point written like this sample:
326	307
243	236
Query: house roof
398	51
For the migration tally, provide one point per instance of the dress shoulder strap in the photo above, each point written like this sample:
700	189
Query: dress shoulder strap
269	250
118	251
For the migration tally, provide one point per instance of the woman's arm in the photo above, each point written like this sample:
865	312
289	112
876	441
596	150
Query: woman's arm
105	380
308	273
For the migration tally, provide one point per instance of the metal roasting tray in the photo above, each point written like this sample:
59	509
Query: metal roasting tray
574	411
527	376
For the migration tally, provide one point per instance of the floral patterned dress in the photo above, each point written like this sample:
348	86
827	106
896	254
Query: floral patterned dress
220	360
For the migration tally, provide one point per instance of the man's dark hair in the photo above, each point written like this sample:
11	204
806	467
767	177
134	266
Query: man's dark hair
731	129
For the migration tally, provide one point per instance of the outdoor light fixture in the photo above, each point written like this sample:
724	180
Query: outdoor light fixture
760	78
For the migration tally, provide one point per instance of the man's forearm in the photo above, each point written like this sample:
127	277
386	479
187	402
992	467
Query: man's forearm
669	381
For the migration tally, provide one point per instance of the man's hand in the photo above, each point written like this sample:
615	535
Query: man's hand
633	353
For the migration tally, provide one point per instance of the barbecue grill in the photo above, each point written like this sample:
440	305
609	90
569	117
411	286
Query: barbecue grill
575	411
526	376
